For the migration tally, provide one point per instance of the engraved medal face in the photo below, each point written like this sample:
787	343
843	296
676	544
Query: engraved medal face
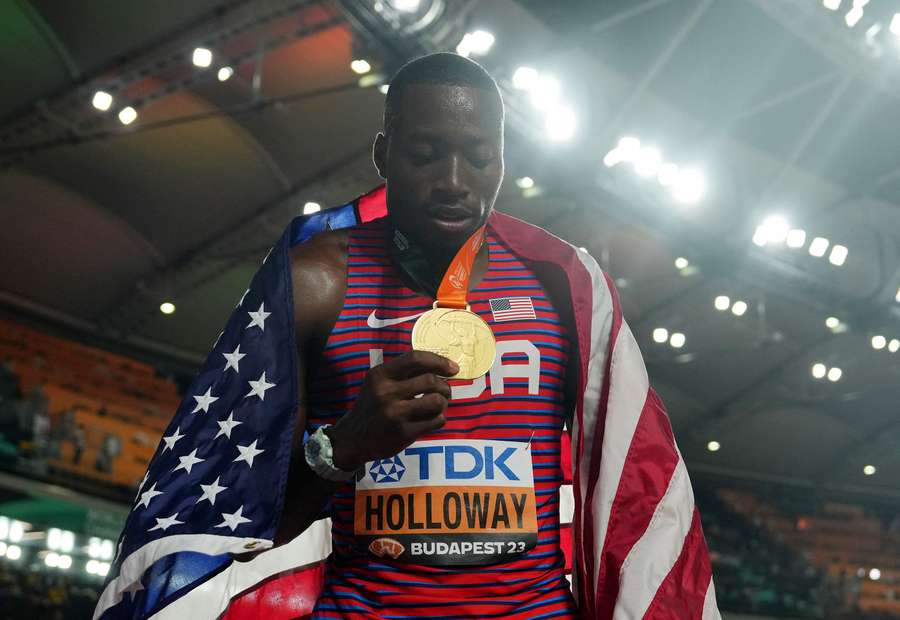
459	335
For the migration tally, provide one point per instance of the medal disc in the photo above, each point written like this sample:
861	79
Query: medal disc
459	335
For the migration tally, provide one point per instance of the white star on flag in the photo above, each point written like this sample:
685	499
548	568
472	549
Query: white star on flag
172	439
258	318
226	426
259	387
233	358
147	495
204	401
165	523
210	491
234	519
187	462
248	453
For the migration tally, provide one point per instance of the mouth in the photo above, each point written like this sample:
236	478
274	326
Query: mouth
451	218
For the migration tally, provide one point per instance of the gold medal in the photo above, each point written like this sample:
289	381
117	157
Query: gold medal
459	335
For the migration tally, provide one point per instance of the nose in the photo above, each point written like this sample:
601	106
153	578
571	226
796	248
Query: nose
450	186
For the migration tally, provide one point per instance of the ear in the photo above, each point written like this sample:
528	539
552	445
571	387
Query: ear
379	154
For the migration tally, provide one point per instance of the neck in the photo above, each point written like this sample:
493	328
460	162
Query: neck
425	266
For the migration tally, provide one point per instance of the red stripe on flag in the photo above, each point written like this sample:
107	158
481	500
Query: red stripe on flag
284	596
683	591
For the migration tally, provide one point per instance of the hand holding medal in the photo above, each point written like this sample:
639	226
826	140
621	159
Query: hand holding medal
450	328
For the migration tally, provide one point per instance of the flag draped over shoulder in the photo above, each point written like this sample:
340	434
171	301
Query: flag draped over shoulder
216	485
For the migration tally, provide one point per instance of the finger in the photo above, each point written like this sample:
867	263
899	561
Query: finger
417	429
425	408
415	363
422	384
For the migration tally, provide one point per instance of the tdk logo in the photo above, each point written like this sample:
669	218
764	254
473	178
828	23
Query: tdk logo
387	470
461	462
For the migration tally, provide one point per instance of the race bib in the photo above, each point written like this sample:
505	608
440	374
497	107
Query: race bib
449	502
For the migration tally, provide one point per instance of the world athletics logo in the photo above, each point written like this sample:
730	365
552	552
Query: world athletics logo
387	470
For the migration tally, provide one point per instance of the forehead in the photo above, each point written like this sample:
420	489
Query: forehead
449	108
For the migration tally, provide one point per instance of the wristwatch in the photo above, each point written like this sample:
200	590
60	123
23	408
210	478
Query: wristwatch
320	457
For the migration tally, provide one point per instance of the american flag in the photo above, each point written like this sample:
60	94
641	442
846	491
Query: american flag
511	308
216	484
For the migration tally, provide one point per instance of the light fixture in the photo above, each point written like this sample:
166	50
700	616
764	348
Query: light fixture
65	561
127	115
819	370
560	123
360	66
525	182
677	340
383	89
796	237
167	307
225	73
874	574
202	57
476	43
13	552
311	207
681	263
2	549
4	527
102	100
647	162
832	322
53	537
832	5
67	541
722	302
545	92
16	531
628	148
51	559
667	174
818	247
894	345
869	470
689	186
853	16
759	237
660	335
525	78
739	308
895	25
774	229
834	374
713	446
897	296
878	342
612	158
838	255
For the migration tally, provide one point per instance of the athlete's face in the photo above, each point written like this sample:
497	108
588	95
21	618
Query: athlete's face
443	163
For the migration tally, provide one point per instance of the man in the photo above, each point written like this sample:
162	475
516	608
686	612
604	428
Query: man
441	476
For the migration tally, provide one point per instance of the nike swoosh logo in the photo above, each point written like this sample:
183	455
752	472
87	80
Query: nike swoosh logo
375	323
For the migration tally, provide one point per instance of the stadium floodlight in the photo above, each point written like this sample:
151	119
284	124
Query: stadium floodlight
894	345
647	162
832	322
525	182
360	66
853	16
311	207
713	446
53	538
225	73
895	25
875	574
102	100
67	541
545	92
775	229
677	340
16	531
202	57
869	470
91	567
476	43
405	6
167	307
878	342
833	5
818	247
796	237
834	374
51	559
127	115
65	562
13	552
759	237
722	303
4	528
628	148
689	186
667	174
838	255
525	78
660	335
897	296
2	548
819	370
739	308
613	157
560	123
682	263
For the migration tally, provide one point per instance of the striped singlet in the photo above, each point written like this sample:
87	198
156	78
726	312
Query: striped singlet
525	403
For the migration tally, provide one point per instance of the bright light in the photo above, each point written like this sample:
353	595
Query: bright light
167	307
775	228
13	552
628	148
894	345
668	174
53	538
895	25
106	549
525	78
739	308
874	574
65	562
838	255
689	186
722	302
525	182
647	161
819	370
4	527
681	263
311	207
102	100
796	237
202	57
16	531
545	92
759	236
853	16
225	73
677	340
127	115
834	5
660	335
67	541
407	6
383	89
2	549
832	322
834	374
897	296
612	158
51	560
818	247
476	43
360	66
713	446
91	567
869	470
560	123
878	342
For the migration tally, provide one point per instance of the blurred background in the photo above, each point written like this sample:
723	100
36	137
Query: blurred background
733	164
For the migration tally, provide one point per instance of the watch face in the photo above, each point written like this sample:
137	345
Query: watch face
314	448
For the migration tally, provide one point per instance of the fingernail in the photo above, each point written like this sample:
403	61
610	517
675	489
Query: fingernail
454	367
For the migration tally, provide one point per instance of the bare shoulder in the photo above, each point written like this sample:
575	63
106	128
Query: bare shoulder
318	276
